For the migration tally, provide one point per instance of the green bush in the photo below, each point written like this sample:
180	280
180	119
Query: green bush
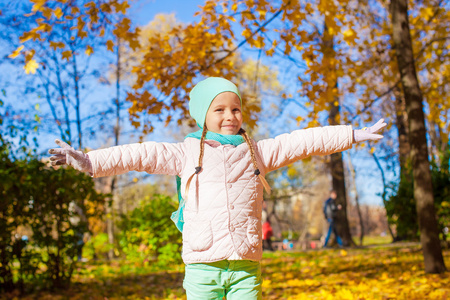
98	246
36	199
401	210
401	207
441	191
148	235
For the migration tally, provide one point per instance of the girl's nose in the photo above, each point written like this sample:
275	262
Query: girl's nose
228	115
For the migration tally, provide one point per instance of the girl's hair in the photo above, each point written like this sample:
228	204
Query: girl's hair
252	153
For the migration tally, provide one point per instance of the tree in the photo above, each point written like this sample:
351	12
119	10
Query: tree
56	43
423	190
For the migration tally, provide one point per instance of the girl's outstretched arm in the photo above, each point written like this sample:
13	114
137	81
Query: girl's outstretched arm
299	144
150	157
66	155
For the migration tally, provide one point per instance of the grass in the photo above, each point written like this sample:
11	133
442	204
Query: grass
392	271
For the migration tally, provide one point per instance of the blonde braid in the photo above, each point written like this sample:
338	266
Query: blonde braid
200	160
255	163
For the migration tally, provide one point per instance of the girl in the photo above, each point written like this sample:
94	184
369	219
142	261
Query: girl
221	173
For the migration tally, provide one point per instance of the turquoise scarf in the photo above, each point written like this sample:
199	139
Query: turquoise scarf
235	140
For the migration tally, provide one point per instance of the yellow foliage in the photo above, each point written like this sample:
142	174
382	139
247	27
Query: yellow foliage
363	274
246	33
58	13
110	45
66	55
84	19
89	50
121	7
292	171
16	52
27	36
74	10
56	45
82	34
38	4
350	35
31	66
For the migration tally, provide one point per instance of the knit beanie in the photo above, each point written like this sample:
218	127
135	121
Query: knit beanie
204	92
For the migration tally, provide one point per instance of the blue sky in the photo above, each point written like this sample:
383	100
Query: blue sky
143	11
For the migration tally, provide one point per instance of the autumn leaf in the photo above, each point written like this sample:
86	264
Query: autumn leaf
89	50
349	35
82	34
428	12
74	10
56	45
246	33
121	7
27	36
58	12
38	4
16	52
110	45
66	55
31	67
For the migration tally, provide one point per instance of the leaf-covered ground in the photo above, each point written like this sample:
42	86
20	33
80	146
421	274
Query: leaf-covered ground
382	272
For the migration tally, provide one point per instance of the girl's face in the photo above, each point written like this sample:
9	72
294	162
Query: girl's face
224	115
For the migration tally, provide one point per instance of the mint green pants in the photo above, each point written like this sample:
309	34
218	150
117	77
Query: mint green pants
232	279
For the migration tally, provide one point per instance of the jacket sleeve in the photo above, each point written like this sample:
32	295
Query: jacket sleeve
150	157
288	148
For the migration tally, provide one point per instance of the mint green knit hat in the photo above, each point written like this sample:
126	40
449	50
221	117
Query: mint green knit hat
204	92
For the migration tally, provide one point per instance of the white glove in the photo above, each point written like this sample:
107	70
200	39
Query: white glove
67	155
368	134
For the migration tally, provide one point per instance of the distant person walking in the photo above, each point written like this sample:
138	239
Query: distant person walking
330	210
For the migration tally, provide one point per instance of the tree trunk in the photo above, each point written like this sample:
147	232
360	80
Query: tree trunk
358	207
404	148
338	184
402	128
336	163
423	190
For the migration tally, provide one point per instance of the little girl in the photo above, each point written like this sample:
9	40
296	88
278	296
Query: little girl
221	173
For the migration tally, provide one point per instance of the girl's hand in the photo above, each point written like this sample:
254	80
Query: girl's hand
67	155
368	134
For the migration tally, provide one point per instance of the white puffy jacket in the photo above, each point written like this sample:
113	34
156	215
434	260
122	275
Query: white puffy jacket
224	205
